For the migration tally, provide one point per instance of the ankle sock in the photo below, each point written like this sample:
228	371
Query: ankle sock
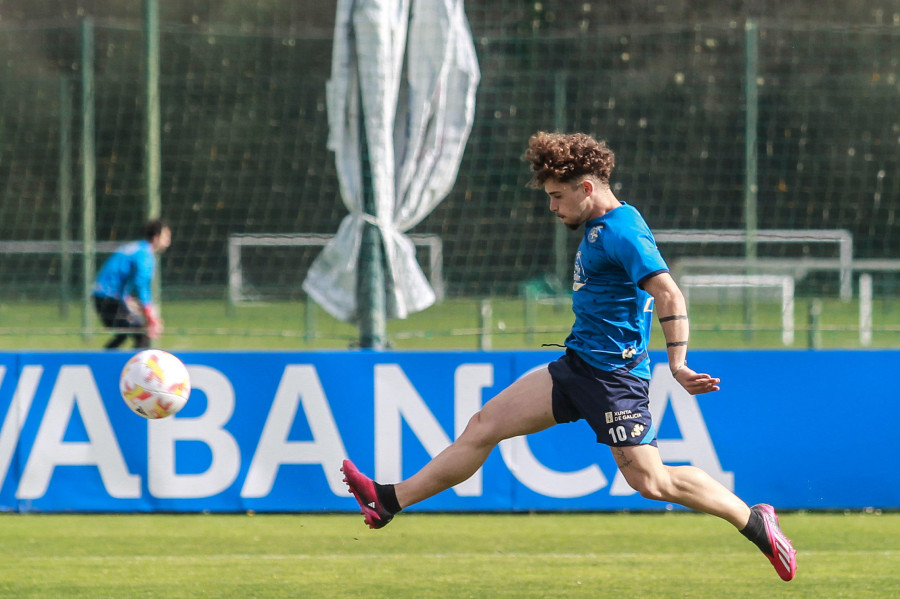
756	532
387	497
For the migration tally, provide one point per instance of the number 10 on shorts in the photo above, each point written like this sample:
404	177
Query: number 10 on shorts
618	434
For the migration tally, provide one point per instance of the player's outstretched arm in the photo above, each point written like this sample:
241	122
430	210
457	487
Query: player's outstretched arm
672	312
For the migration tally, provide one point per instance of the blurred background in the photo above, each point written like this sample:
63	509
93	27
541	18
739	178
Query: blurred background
778	118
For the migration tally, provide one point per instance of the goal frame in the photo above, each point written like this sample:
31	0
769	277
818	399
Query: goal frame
238	241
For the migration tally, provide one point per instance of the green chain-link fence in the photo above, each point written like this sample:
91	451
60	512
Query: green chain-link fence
244	129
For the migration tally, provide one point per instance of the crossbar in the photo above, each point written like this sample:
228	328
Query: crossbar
237	241
783	282
55	247
842	237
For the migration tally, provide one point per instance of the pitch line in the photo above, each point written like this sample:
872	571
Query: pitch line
387	556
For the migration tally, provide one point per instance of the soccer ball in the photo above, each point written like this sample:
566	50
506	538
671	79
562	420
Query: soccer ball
154	384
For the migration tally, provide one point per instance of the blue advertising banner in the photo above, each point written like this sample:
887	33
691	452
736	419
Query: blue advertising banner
268	431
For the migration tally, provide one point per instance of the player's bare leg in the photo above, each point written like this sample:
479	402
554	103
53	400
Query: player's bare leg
691	487
643	469
522	408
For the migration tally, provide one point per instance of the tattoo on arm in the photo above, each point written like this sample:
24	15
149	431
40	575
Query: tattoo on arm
674	317
676	343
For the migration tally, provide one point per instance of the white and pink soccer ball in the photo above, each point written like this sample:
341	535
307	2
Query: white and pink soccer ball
155	384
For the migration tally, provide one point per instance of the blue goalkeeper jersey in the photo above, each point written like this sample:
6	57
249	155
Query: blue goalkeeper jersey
129	271
612	312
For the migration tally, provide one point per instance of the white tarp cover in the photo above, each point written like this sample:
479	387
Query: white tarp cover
416	125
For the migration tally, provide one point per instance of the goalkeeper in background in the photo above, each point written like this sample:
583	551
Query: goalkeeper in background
122	293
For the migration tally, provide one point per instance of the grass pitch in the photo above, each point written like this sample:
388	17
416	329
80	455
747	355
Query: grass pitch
657	556
452	324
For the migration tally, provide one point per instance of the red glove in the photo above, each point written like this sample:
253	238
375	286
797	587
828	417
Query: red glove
154	322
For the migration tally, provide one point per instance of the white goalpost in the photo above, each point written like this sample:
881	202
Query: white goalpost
783	282
237	242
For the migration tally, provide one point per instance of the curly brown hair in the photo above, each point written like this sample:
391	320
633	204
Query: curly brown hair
568	157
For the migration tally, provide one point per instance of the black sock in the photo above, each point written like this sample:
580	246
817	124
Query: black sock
756	532
387	497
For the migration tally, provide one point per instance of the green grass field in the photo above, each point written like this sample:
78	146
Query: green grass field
453	324
658	556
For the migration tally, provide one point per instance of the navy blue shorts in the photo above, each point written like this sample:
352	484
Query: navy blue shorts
615	404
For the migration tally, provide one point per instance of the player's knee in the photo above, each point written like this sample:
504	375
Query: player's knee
651	487
480	430
653	492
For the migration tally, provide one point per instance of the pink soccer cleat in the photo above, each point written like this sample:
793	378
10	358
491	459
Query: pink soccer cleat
363	489
782	554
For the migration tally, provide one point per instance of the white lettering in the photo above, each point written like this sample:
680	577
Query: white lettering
540	479
397	400
208	428
695	447
17	413
299	384
533	474
469	381
398	409
75	386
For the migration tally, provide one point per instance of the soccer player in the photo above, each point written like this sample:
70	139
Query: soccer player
619	277
122	294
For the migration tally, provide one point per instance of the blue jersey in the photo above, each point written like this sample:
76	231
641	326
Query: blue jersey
129	271
612	312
